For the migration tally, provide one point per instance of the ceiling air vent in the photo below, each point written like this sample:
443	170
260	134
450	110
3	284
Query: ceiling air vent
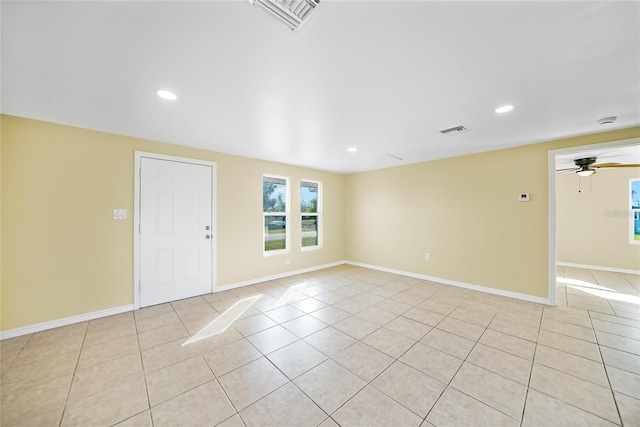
454	130
290	13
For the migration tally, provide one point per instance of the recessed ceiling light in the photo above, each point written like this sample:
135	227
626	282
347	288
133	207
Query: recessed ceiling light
165	94
504	109
352	149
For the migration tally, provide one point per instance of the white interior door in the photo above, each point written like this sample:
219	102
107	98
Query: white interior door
176	220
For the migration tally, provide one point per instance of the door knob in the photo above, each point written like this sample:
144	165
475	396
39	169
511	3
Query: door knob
207	237
206	227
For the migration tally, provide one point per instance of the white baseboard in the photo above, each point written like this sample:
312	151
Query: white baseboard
11	333
277	276
473	287
598	267
64	322
122	309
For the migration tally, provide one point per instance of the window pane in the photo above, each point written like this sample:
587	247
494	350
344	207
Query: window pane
275	232
635	209
308	197
274	195
309	230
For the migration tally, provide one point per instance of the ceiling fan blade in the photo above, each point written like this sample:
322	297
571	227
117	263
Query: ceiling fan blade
567	170
605	165
616	165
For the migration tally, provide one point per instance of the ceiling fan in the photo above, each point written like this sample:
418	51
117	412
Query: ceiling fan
588	166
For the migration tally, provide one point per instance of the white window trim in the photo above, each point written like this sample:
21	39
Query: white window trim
317	214
632	212
287	215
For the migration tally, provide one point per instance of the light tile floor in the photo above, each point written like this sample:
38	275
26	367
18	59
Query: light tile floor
362	348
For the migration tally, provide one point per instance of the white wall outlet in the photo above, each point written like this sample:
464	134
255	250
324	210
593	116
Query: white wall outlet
427	256
523	197
287	261
119	214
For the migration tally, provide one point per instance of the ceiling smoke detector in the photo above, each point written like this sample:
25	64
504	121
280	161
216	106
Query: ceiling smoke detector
607	120
292	14
454	130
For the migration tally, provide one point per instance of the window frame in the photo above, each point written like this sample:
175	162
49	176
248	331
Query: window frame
317	214
286	214
633	211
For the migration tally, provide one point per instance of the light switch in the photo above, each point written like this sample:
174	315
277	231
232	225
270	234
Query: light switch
119	214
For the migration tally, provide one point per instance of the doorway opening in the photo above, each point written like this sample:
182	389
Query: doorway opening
586	271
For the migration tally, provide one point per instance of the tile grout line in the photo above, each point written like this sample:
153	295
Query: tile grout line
20	350
533	361
291	381
606	372
379	283
397	359
215	377
460	367
265	355
331	357
144	371
577	377
75	370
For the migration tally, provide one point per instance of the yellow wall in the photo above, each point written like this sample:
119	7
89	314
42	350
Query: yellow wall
593	225
1	328
64	255
464	212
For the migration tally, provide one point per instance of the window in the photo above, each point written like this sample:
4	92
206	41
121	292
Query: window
635	211
274	208
310	212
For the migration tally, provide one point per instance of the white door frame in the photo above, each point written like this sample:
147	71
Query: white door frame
137	259
552	200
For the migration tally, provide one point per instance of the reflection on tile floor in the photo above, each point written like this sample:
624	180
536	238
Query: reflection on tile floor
360	348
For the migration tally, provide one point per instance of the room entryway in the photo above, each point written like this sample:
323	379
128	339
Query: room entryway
175	230
613	155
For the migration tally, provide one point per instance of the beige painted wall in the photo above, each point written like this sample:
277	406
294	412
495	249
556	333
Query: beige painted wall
0	222
64	255
593	225
464	212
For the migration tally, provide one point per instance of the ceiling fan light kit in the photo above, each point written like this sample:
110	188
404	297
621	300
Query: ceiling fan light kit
584	166
585	172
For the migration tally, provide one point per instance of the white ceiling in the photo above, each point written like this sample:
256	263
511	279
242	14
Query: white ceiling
383	76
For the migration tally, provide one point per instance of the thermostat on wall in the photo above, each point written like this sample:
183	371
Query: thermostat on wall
523	197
